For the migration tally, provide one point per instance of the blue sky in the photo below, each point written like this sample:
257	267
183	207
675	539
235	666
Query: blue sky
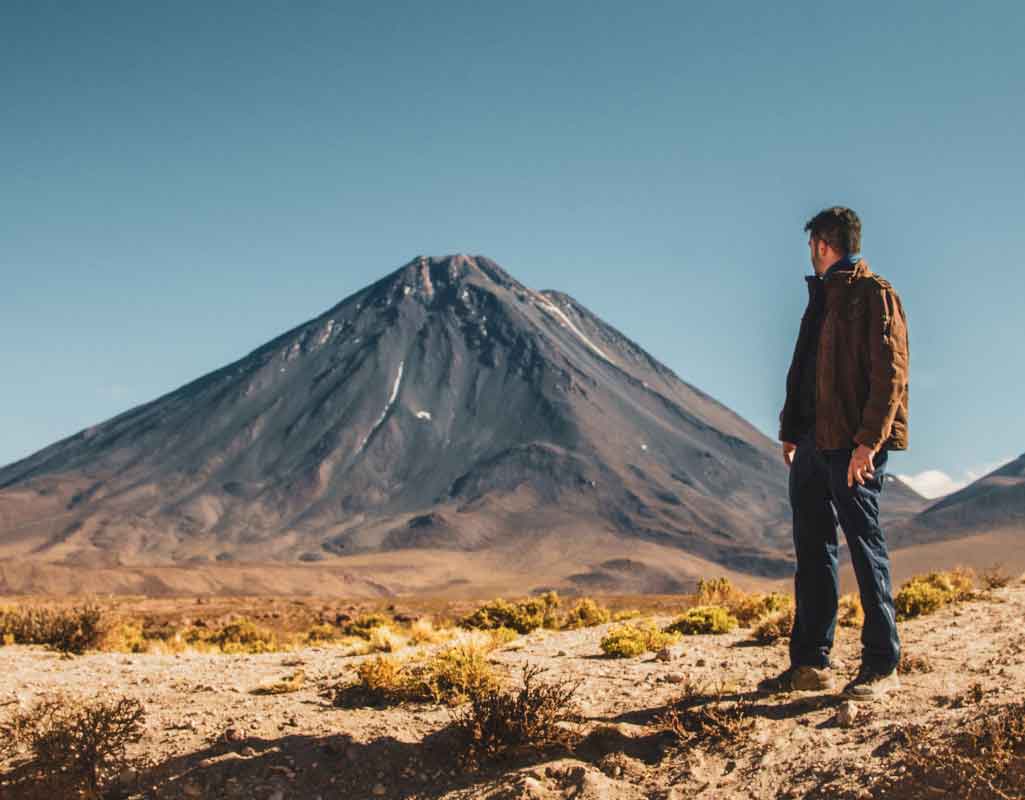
183	181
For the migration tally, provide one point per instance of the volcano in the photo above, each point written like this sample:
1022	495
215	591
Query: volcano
441	427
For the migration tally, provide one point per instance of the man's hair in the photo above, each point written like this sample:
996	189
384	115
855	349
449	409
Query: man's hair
838	227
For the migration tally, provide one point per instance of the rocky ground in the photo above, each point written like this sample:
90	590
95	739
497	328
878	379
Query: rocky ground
208	735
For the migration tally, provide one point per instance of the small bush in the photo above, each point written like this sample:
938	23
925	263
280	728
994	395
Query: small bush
751	608
364	624
244	636
586	614
69	630
629	641
422	631
449	676
456	673
383	638
497	724
522	617
928	593
849	612
715	592
995	577
707	718
774	627
77	748
704	619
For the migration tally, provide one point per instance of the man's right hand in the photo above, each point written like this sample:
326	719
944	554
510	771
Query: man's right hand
789	448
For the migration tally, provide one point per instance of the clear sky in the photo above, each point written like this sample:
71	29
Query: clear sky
180	182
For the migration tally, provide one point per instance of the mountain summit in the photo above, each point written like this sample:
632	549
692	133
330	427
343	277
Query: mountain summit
445	409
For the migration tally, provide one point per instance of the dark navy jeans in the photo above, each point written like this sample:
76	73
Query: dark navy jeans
820	498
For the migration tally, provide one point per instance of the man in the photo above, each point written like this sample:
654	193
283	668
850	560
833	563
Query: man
846	408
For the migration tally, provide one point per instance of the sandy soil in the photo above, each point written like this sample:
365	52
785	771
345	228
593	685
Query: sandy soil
208	736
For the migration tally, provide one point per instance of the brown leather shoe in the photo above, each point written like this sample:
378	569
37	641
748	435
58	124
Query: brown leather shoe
798	679
871	685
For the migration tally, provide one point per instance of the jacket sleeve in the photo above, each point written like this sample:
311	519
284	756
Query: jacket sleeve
888	366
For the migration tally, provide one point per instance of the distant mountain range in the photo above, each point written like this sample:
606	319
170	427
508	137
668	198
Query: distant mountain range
445	429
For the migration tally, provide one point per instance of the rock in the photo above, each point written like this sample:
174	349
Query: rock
234	734
675	677
248	752
668	654
378	790
277	794
846	714
192	789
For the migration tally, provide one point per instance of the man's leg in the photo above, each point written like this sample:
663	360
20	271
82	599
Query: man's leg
815	544
858	510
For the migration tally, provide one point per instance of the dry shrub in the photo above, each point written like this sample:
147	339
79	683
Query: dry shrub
748	608
995	577
243	636
384	639
774	627
364	624
700	716
624	614
925	594
422	631
703	619
983	759
449	676
849	612
502	723
522	617
586	614
322	633
287	685
76	748
912	663
629	641
455	673
69	630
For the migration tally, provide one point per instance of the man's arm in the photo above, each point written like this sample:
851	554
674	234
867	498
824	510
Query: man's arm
888	366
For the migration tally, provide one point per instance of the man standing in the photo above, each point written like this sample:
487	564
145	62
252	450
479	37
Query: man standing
846	408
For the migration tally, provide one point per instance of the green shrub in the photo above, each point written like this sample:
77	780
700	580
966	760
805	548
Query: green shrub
774	627
586	614
364	624
522	617
629	641
244	636
925	594
704	619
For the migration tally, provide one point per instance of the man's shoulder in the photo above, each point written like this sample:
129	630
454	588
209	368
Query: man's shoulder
871	281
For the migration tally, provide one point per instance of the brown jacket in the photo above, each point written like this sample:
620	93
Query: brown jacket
861	375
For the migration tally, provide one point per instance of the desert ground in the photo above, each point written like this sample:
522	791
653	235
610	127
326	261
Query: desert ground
210	733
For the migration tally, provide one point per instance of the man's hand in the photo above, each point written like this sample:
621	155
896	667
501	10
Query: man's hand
789	448
861	466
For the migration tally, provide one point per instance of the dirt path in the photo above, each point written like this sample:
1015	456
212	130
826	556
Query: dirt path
208	736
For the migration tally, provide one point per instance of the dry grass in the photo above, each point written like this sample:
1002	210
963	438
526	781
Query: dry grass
76	748
499	724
